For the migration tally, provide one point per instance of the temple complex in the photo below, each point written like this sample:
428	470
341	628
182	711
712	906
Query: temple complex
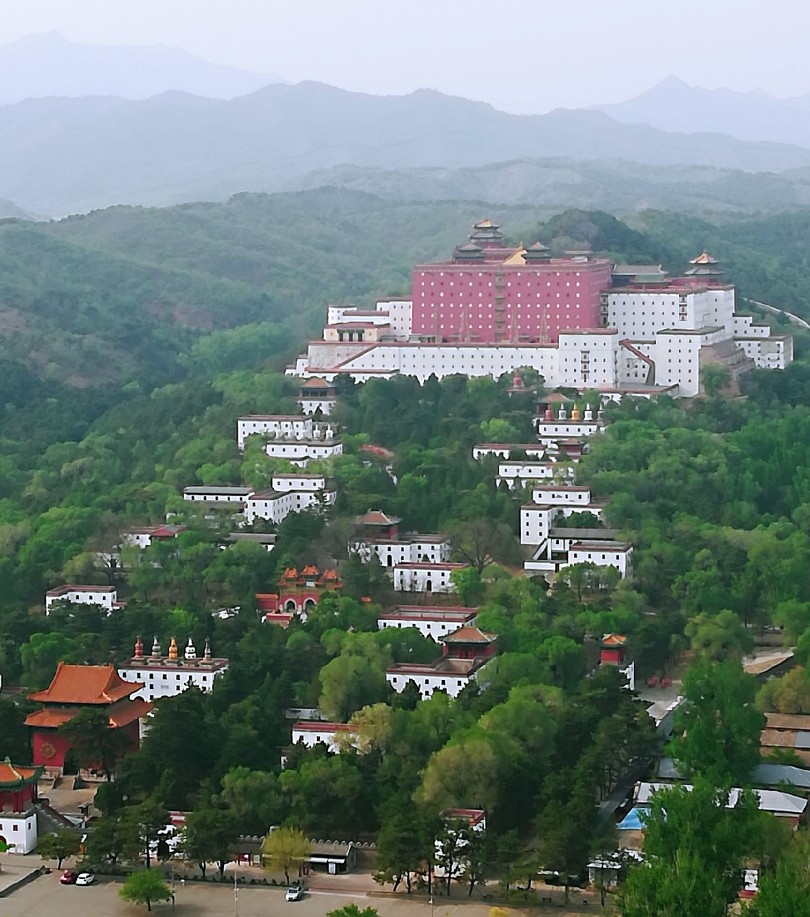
75	688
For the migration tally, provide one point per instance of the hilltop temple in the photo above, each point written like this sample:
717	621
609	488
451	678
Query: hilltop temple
578	320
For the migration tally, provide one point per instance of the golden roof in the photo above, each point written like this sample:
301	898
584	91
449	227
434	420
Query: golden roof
704	258
517	257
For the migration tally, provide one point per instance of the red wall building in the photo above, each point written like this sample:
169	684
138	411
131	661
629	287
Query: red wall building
80	687
490	293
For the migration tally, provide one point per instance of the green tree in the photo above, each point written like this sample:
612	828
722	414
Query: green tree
15	736
404	845
43	652
94	742
718	724
254	797
143	827
565	830
694	847
463	774
352	910
785	892
788	694
144	887
285	848
719	637
352	680
481	541
469	585
210	834
105	841
58	846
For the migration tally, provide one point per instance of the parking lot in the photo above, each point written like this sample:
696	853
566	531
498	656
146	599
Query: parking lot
46	896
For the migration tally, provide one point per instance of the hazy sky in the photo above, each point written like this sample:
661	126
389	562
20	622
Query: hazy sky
523	57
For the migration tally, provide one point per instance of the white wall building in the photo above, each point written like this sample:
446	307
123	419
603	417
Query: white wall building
289	493
289	425
534	451
104	596
519	474
641	347
419	577
19	830
618	554
167	676
214	494
144	536
430	620
300	451
408	548
335	736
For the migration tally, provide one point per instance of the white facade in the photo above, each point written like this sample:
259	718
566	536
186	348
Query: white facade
168	678
289	425
19	831
549	431
273	506
333	735
638	349
217	494
105	596
418	577
429	679
289	493
580	358
406	549
616	554
535	521
430	621
505	450
301	452
564	495
517	474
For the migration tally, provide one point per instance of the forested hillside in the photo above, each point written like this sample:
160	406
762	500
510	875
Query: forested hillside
186	317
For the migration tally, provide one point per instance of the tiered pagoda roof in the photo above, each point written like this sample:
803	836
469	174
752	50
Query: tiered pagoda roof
704	266
76	687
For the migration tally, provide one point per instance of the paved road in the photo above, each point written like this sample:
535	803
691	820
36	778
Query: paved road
46	897
792	317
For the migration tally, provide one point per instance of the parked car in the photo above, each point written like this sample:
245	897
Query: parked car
68	877
85	878
295	893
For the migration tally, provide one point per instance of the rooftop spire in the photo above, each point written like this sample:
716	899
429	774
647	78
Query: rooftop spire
207	654
138	647
173	654
156	654
191	651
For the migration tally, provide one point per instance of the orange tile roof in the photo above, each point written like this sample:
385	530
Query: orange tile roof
128	711
121	713
469	635
85	684
12	777
614	640
51	719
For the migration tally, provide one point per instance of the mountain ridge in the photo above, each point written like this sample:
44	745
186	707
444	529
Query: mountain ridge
673	104
48	65
72	155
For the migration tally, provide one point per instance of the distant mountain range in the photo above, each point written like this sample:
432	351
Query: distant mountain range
673	105
40	66
66	155
613	185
